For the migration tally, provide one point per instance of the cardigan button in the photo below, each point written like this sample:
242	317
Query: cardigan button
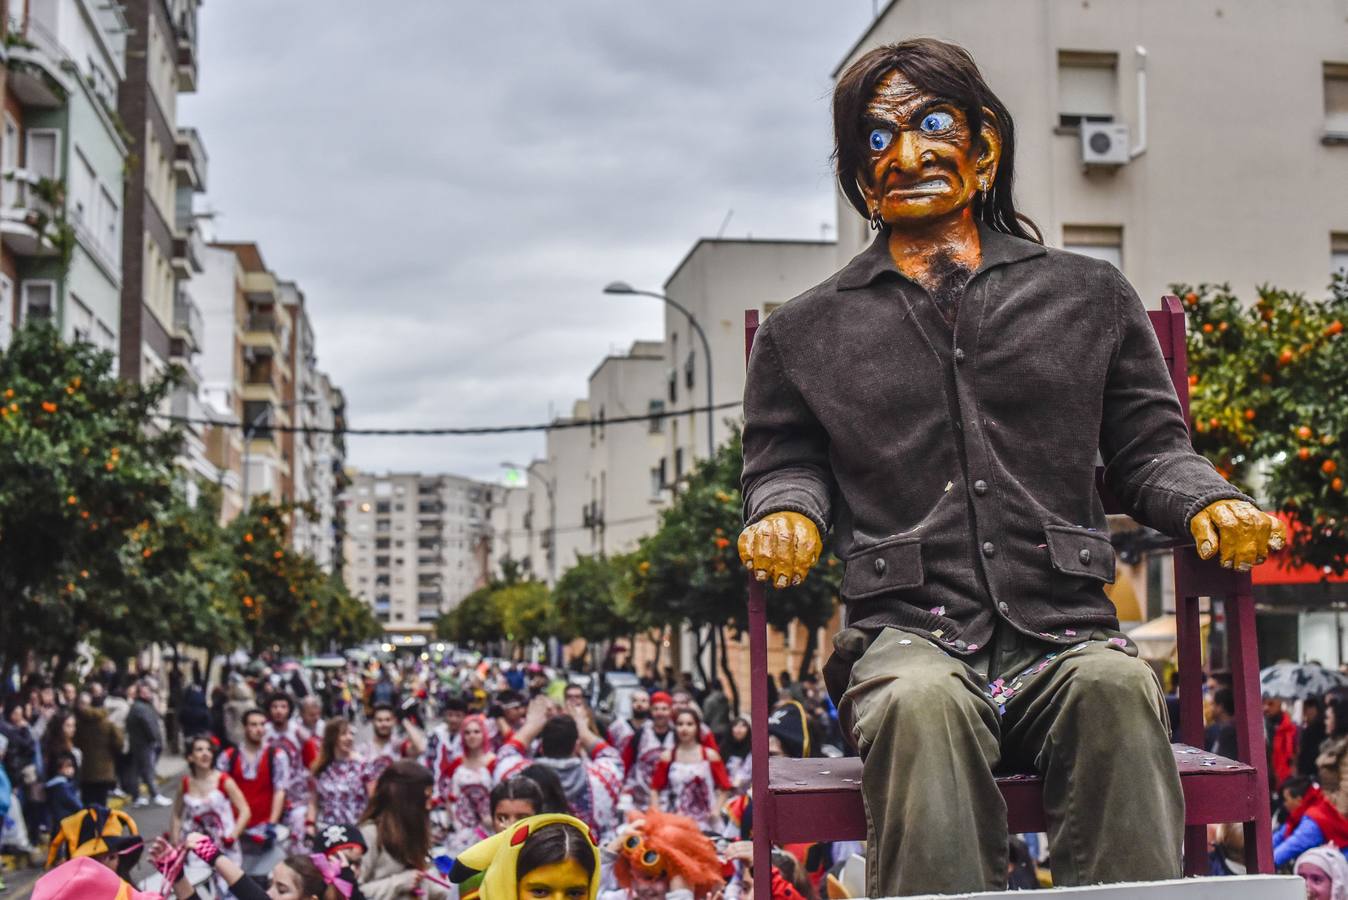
880	567
1085	557
1003	608
989	549
959	355
980	487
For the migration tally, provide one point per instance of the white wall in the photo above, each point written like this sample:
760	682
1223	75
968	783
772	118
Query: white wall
1235	184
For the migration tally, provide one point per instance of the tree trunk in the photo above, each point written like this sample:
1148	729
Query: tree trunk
700	644
807	658
730	682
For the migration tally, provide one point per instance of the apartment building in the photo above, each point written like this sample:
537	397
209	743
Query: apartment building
62	153
1235	155
161	244
318	457
414	545
219	292
717	281
263	374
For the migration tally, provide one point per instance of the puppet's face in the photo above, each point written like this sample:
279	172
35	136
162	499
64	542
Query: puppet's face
564	880
923	162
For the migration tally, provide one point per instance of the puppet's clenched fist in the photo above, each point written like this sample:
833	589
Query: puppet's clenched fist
1239	531
780	548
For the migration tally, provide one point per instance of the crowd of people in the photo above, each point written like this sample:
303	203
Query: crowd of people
1306	741
79	744
380	778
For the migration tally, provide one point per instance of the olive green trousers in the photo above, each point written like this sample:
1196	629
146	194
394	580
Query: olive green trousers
932	730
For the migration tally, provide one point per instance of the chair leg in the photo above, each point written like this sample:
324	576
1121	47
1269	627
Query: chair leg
1244	656
758	702
1189	638
1195	850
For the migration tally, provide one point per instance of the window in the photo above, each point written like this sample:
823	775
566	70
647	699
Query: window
39	300
688	366
81	319
108	222
678	463
82	191
1336	100
6	311
9	159
657	479
1087	87
43	152
656	408
1096	241
1338	252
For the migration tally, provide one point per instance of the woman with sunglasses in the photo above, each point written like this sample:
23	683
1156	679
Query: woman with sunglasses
691	780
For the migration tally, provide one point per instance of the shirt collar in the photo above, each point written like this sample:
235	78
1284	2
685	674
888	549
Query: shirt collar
875	262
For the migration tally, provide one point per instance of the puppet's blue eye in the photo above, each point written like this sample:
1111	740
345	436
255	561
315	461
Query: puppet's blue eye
937	121
881	138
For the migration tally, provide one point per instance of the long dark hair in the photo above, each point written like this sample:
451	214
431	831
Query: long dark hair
311	880
731	747
398	810
332	733
944	70
1339	703
54	741
553	844
554	795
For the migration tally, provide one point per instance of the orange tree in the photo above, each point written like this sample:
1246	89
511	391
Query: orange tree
689	570
284	600
81	482
1269	407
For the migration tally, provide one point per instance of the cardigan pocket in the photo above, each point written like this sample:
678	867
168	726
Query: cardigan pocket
1080	552
891	565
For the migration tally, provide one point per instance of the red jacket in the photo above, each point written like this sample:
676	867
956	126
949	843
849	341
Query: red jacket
1283	750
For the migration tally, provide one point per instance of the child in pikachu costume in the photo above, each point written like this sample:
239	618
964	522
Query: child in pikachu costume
493	865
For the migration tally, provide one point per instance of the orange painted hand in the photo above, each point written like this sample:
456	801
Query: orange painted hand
1239	531
780	548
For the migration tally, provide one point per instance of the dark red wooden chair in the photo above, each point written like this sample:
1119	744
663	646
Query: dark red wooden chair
805	800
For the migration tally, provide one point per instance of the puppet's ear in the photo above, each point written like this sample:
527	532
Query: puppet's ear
477	857
989	146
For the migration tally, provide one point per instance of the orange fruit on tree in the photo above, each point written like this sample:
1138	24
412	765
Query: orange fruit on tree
1329	467
1191	298
1221	326
1249	415
1266	378
1334	328
1304	432
1336	485
1286	356
1304	453
1207	328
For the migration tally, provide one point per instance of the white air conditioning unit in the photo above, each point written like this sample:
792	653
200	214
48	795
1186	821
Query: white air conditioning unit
1105	144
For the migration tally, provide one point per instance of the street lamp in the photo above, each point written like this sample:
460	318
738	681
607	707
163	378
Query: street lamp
549	486
623	288
251	427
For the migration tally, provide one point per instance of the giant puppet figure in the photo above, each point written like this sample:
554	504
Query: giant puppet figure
939	404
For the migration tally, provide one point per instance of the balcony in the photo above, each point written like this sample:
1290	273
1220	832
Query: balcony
187	66
189	159
259	380
37	75
26	209
262	329
187	323
187	253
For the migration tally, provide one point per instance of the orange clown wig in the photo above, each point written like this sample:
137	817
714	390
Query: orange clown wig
666	845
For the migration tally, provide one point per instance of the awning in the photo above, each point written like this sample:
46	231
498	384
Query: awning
1280	570
1156	639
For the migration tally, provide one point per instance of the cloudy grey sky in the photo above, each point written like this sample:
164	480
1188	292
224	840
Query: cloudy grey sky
452	183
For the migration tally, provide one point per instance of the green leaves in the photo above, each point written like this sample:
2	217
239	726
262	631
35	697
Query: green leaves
98	541
1269	406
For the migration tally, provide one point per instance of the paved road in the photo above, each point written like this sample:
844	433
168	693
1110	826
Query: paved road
151	820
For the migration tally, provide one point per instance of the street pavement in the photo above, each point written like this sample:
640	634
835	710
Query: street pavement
151	820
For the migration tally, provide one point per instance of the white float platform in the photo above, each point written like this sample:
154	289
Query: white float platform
1247	887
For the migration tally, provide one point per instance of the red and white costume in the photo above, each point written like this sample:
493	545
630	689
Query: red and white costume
689	789
468	801
642	755
290	742
442	749
258	776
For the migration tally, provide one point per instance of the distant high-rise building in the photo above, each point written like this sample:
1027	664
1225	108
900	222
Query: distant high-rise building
414	545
